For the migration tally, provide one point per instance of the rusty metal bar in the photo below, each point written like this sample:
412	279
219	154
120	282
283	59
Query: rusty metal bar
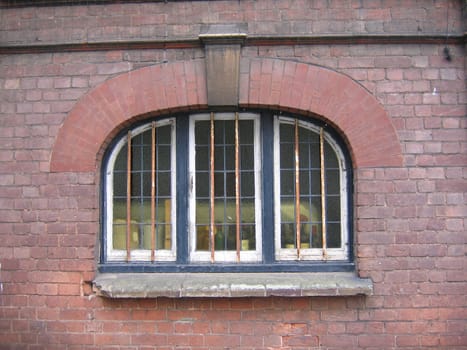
237	190
211	195
153	191
297	188
323	192
128	198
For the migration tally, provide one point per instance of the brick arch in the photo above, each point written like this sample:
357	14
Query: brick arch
270	83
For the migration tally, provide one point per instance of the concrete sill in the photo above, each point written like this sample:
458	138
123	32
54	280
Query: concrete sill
230	285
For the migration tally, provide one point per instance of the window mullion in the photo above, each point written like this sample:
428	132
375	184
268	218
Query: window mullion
237	189
297	188
153	190
128	198
211	189
267	147
184	186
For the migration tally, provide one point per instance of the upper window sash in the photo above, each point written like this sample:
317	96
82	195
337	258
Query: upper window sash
138	230
309	208
250	250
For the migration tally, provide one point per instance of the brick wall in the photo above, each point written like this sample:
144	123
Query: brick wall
410	220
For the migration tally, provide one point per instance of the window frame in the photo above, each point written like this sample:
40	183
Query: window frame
268	263
315	254
139	255
248	256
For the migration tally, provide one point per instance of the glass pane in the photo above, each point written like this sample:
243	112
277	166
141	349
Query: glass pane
164	135
304	155
287	156
230	189
246	135
229	132
316	182
219	158
119	235
225	237
288	235
330	158
163	183
229	158
247	184
247	156
121	160
248	237
333	237
219	184
146	184
316	236
332	182
305	178
119	210
202	212
287	132
225	185
202	132
135	184
202	184
287	182
333	211
202	158
119	184
247	211
163	157
202	237
162	238
308	136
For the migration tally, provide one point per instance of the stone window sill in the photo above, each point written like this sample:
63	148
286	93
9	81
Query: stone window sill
230	285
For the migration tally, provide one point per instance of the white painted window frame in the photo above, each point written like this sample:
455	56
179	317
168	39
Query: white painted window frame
224	256
314	254
117	255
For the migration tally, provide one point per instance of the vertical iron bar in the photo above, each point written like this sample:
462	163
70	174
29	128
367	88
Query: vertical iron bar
212	202
237	189
153	190
128	197
323	193
297	188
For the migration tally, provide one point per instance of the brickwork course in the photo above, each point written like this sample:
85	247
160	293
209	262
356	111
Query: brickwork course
60	63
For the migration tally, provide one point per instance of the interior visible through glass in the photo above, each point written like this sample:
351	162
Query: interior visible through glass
310	190
141	180
224	184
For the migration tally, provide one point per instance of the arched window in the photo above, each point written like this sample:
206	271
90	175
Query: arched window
227	191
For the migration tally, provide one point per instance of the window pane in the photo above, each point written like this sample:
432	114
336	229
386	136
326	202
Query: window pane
330	159
310	174
333	208
141	174
225	182
247	184
202	157
332	181
247	157
248	237
333	236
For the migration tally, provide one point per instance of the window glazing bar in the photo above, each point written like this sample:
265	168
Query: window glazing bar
323	192
297	188
153	191
237	189
212	193
128	198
